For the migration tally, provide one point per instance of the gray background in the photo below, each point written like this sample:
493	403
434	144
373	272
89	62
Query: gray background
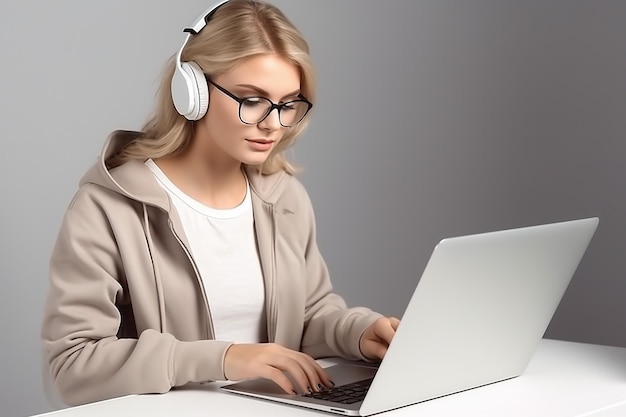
435	118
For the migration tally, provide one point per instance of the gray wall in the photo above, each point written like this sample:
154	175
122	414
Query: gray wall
435	118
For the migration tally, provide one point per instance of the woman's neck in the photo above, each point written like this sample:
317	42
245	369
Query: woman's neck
220	184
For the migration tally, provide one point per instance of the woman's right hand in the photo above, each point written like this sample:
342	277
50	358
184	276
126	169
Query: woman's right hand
272	361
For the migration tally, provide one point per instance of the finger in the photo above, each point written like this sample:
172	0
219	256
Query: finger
373	349
384	330
302	368
279	377
248	361
320	378
326	379
394	322
309	366
295	369
317	376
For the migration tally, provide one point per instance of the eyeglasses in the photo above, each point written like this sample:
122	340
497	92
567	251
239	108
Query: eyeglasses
253	110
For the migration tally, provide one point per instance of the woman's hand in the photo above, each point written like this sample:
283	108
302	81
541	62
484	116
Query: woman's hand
272	361
376	338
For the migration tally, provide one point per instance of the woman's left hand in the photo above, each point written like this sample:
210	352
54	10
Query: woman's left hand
376	338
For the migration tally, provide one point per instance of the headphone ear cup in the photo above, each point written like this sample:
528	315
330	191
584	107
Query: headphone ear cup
190	91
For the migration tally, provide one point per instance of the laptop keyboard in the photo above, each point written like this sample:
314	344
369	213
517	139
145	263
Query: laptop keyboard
344	394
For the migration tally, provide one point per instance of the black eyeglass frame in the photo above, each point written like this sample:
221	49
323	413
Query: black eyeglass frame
277	106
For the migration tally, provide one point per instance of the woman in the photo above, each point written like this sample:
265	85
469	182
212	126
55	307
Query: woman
188	254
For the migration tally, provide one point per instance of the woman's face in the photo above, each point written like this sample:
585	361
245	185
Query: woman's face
222	134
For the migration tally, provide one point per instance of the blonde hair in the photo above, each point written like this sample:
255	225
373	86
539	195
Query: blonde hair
238	30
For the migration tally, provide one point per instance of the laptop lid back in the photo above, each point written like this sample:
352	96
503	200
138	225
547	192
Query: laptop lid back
478	312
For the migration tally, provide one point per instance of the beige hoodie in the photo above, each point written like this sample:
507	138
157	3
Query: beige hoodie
126	310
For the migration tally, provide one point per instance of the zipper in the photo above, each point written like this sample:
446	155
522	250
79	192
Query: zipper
210	332
271	304
267	255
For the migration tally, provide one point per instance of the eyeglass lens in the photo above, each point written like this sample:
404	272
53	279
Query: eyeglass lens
254	109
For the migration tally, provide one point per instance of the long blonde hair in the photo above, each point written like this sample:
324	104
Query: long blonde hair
238	30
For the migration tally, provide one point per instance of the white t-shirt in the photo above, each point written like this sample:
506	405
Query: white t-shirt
224	248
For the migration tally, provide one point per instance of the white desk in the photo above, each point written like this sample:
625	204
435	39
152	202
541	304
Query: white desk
614	410
563	379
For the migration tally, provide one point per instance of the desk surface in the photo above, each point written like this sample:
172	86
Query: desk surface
613	410
563	379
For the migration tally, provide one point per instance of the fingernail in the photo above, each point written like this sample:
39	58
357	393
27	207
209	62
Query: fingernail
310	390
294	392
332	383
319	386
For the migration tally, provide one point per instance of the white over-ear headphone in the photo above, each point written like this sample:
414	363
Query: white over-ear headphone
190	91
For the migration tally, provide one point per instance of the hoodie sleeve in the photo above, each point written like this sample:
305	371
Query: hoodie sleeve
330	328
82	320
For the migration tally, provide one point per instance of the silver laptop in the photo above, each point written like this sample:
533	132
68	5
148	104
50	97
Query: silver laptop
477	314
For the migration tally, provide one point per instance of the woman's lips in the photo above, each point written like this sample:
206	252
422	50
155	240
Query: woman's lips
261	145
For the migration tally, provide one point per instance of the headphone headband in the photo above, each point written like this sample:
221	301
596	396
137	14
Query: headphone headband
204	18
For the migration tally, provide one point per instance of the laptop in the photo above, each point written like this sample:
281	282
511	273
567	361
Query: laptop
481	306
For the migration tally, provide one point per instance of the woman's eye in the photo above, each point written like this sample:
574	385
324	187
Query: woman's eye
252	102
289	107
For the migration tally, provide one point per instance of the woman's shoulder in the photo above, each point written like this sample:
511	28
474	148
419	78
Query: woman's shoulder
293	186
279	188
101	196
94	201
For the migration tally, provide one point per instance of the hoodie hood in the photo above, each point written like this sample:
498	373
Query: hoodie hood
135	181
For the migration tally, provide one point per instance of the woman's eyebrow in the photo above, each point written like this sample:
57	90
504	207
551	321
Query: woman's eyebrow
265	93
